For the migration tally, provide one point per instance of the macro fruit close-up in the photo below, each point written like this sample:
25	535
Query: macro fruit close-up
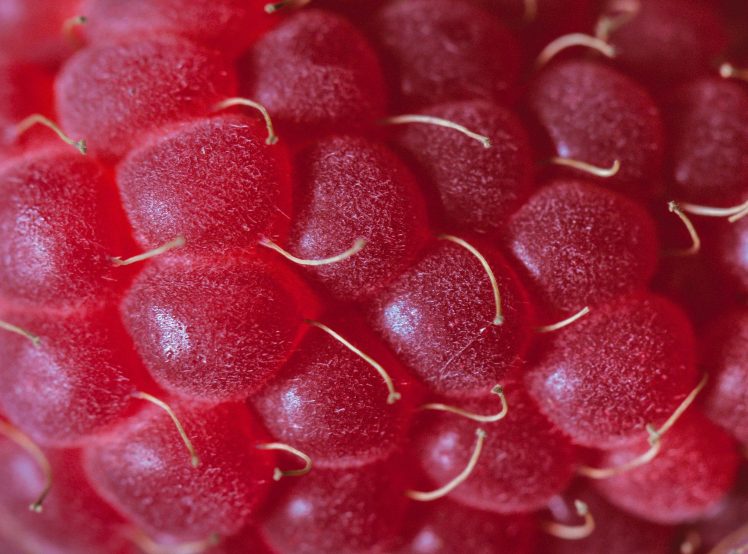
373	277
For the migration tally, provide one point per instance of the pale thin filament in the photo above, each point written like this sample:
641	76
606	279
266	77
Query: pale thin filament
497	390
35	452
604	172
710	211
607	24
229	102
149	546
178	242
70	24
565	322
454	483
655	440
729	71
20	331
278	473
393	395
285	4
39	119
574	39
194	460
695	239
572	532
499	317
357	246
739	215
438	121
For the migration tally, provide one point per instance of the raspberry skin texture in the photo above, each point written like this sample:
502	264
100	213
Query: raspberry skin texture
353	188
478	187
437	317
731	252
590	112
447	527
581	245
84	368
315	73
30	30
132	468
227	25
339	510
616	532
443	50
60	225
694	470
524	462
626	364
332	405
667	41
708	130
114	94
212	181
211	330
74	518
724	356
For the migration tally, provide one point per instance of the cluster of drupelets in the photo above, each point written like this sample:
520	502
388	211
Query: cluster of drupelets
356	276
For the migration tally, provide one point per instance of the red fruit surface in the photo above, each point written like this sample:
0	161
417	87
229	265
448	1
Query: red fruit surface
31	30
356	510
315	72
353	188
73	518
732	252
112	95
443	50
626	364
694	470
60	226
524	462
616	532
581	245
212	181
709	134
445	527
437	316
213	330
670	40
229	25
591	113
331	404
479	187
726	359
144	471
24	89
75	384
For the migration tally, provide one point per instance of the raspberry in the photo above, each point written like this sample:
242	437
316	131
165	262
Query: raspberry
581	245
591	113
355	189
523	462
177	169
458	333
441	50
362	277
133	468
213	332
688	478
228	25
478	187
114	93
315	72
627	364
334	510
60	230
